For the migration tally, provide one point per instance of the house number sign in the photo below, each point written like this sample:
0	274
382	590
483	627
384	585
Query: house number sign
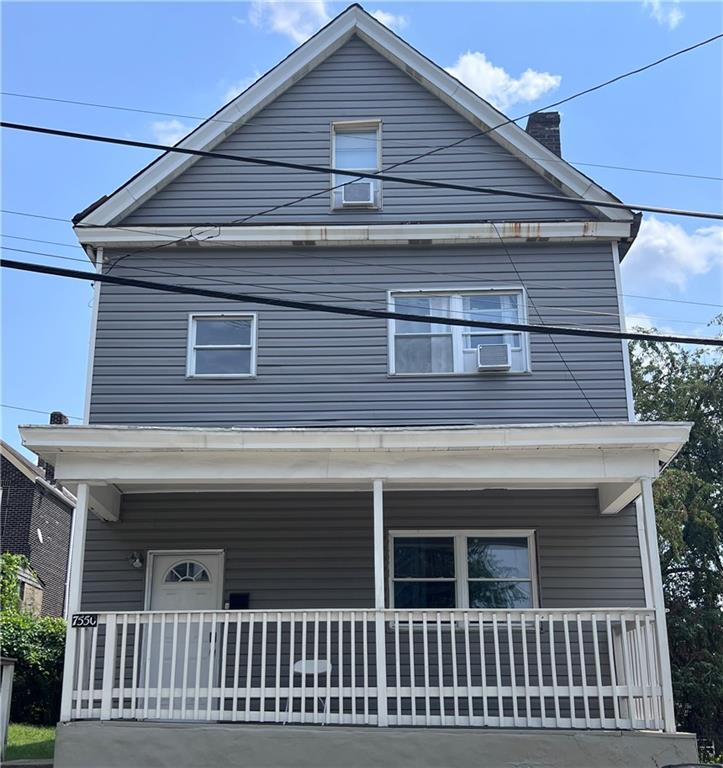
85	620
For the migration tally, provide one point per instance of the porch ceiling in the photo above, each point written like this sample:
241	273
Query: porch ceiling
611	457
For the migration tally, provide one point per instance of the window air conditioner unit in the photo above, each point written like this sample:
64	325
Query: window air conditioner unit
358	193
493	357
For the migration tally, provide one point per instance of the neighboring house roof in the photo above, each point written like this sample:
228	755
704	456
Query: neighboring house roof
354	20
34	473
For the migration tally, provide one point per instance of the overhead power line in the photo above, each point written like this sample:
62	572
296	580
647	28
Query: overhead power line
353	311
33	410
539	282
296	132
360	174
556	308
578	94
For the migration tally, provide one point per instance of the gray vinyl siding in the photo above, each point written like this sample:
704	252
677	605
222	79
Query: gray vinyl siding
355	82
320	369
315	550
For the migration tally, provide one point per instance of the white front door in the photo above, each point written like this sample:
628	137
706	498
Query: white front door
185	581
181	646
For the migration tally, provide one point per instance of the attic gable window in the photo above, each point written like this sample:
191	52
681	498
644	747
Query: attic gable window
356	146
222	345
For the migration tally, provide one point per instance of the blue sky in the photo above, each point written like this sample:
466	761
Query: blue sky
187	58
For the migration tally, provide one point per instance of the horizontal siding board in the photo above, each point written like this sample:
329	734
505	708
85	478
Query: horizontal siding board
354	82
316	368
315	550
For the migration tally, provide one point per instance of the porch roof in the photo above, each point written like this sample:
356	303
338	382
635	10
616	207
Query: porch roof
610	456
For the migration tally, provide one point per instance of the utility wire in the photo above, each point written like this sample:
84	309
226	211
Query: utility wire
46	242
33	410
541	283
353	311
296	132
550	337
577	95
565	100
228	268
508	121
355	173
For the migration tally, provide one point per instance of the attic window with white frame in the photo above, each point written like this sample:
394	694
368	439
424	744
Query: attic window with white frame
433	348
356	146
463	569
222	345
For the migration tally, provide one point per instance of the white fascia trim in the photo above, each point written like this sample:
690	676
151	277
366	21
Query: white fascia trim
485	116
664	437
306	57
210	133
373	234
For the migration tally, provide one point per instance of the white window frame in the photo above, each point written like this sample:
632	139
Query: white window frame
457	331
461	570
341	126
191	344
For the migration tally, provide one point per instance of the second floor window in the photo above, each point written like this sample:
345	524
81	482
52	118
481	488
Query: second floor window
222	346
356	146
434	348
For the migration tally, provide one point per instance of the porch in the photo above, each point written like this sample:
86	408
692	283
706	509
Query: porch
581	642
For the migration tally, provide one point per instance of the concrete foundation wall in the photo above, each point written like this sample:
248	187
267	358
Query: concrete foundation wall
152	745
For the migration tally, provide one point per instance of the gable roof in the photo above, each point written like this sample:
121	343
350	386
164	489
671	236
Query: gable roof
108	210
34	473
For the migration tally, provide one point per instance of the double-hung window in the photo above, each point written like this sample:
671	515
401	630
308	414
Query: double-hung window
356	146
418	347
463	569
222	345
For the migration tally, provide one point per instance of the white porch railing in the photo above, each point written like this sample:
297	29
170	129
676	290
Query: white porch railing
520	668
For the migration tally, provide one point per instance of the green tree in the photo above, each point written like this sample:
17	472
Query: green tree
674	383
36	643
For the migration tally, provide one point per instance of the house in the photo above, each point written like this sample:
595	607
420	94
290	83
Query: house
438	541
36	516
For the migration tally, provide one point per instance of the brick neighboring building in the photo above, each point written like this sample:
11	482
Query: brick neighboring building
35	520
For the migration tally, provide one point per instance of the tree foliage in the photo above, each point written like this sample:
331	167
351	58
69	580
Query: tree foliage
674	383
37	644
10	567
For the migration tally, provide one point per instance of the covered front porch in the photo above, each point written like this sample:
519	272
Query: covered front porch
486	576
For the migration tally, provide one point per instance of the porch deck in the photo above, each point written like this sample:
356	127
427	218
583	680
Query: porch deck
532	668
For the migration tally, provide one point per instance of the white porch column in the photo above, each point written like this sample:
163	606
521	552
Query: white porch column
656	586
75	584
381	646
378	545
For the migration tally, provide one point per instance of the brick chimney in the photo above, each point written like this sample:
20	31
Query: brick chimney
56	417
545	127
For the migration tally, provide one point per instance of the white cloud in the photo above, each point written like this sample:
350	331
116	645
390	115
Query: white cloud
233	90
497	86
666	254
391	20
300	19
297	20
666	14
169	131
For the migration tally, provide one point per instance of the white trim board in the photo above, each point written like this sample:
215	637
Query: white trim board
49	441
369	234
354	20
610	457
